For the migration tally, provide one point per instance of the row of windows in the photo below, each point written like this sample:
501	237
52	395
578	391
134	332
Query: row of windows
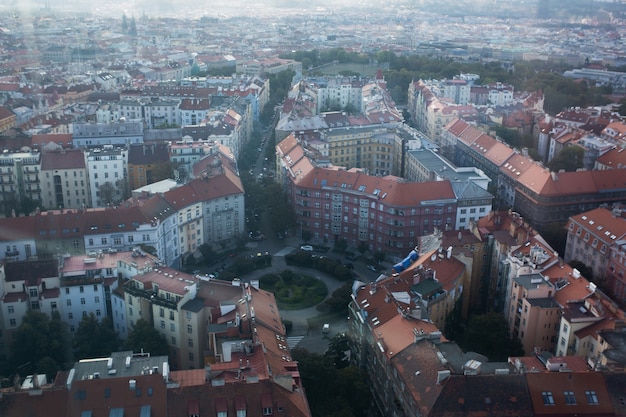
570	398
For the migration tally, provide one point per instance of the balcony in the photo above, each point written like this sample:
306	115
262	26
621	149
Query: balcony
151	296
11	253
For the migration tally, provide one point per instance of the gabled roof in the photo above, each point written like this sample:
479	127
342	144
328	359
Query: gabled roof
579	384
483	395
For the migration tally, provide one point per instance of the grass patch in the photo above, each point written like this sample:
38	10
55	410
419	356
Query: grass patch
294	291
363	69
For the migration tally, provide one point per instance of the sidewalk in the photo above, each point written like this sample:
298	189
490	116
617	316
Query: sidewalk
311	339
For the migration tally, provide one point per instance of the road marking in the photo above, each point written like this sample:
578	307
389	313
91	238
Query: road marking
293	341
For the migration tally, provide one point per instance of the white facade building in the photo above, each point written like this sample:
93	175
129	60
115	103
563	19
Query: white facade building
107	165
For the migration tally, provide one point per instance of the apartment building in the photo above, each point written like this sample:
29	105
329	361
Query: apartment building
540	196
386	213
7	119
193	111
64	179
369	147
158	113
185	153
19	179
209	209
614	274
228	342
591	235
107	165
120	133
148	163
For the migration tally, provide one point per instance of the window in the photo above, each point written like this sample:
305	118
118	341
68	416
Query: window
267	411
189	328
69	302
82	301
11	309
172	327
107	392
191	356
12	323
592	397
173	340
548	399
570	399
70	316
150	390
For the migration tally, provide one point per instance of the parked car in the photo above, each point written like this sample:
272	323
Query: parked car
326	328
371	268
307	248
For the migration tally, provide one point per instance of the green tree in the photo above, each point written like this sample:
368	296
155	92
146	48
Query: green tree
144	336
94	339
488	334
570	159
341	245
362	247
306	235
338	301
379	256
39	337
108	194
330	391
339	351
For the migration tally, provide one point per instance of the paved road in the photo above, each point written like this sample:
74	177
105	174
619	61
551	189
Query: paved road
311	339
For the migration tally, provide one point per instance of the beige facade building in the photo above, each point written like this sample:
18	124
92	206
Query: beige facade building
64	179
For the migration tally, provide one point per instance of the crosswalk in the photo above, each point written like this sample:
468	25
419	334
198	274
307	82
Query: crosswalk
293	341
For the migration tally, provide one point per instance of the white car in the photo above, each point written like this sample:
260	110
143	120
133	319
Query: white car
307	248
326	328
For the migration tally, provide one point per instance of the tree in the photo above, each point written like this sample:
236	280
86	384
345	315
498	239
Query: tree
306	235
108	194
570	159
379	256
338	351
95	338
330	391
362	247
338	301
39	337
341	245
488	334
144	336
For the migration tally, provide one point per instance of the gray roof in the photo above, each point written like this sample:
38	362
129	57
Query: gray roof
119	364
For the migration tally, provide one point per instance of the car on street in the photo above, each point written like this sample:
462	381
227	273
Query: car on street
371	268
307	248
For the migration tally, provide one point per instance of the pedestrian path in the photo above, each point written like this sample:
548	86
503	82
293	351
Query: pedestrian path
293	341
285	251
